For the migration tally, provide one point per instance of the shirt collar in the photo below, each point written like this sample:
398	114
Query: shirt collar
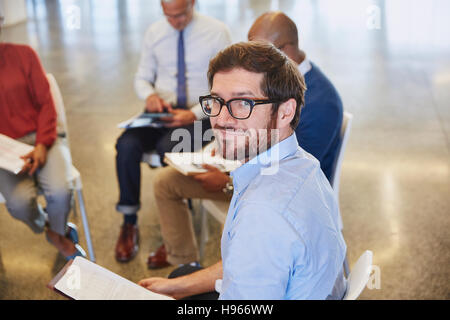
304	67
264	163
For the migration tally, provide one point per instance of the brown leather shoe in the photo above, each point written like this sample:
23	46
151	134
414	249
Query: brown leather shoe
158	259
128	243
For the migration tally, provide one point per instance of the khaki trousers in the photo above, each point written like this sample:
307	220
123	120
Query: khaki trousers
171	188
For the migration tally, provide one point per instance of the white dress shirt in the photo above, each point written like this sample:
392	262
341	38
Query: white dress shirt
204	37
304	67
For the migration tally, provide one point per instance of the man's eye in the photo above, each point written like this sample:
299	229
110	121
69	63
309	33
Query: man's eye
244	104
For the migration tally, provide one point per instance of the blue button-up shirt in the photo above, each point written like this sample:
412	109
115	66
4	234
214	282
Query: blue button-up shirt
281	238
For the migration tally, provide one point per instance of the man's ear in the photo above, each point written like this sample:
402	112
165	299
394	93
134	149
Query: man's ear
286	112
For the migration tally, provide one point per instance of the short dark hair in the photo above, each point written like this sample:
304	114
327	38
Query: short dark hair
282	80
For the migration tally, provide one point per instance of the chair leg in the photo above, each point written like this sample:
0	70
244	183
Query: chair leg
86	225
73	204
346	267
204	230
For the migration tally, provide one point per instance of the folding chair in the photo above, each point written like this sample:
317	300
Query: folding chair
152	159
73	175
336	176
359	276
345	134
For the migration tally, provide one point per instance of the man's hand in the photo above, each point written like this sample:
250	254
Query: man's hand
214	180
198	282
155	104
34	160
180	118
168	287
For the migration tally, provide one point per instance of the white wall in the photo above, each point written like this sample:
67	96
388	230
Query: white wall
14	11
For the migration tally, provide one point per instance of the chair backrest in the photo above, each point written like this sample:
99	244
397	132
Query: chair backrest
345	133
62	129
59	105
359	276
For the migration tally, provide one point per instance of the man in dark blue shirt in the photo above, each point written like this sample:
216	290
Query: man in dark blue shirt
318	133
321	118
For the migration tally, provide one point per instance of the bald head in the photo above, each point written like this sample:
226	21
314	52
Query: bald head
278	29
179	13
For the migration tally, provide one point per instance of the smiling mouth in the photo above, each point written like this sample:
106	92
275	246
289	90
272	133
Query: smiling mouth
231	132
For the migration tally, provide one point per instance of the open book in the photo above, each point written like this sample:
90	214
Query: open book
81	279
145	119
190	163
10	152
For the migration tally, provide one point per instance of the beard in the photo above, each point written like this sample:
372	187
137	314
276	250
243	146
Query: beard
244	145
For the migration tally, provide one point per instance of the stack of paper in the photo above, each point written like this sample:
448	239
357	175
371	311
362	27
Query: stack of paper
10	152
190	163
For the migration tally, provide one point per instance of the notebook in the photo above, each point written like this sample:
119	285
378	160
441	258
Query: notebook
81	279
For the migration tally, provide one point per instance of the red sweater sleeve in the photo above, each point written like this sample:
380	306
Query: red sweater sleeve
40	91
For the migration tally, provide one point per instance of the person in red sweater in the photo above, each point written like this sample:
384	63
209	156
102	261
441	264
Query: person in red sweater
27	114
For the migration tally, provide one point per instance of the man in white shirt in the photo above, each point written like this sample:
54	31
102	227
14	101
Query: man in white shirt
170	78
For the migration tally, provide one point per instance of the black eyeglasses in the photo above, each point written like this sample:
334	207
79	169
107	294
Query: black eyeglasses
239	108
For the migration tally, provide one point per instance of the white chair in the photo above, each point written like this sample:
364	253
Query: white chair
152	159
359	276
336	177
73	175
345	134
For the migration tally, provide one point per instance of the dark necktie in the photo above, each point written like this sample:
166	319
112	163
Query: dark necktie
181	75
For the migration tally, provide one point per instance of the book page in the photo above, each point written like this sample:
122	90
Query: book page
85	280
10	152
190	163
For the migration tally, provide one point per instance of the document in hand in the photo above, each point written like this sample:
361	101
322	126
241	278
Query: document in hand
190	163
81	279
10	152
145	119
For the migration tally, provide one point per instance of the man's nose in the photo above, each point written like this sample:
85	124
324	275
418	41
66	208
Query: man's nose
224	118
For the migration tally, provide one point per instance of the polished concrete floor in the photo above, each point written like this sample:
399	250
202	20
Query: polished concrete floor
390	61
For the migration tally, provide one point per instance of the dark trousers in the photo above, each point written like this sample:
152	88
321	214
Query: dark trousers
133	143
188	269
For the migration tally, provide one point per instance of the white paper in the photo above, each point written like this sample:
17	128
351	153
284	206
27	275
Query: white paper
10	152
85	280
191	162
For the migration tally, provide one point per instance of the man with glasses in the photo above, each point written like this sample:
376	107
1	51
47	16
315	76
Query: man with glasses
317	133
170	77
281	238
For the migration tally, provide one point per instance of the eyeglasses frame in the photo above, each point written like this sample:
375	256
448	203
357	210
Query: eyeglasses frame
252	103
